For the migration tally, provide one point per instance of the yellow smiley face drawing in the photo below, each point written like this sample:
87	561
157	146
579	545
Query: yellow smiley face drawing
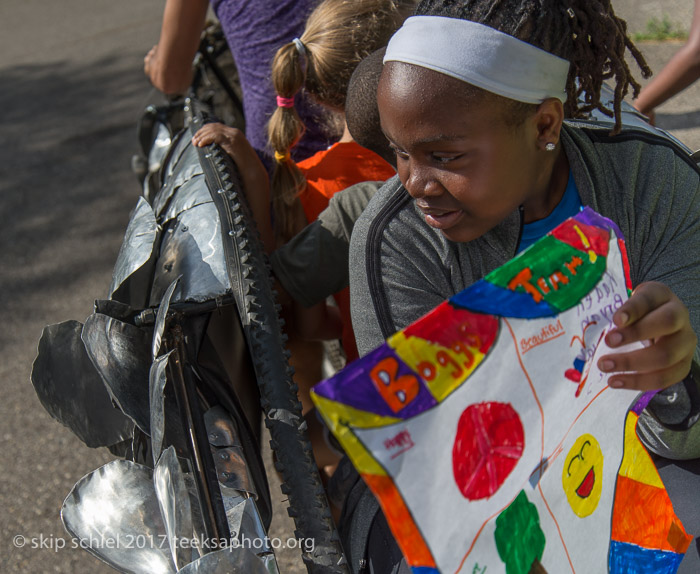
582	475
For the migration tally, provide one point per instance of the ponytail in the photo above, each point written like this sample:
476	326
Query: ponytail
284	131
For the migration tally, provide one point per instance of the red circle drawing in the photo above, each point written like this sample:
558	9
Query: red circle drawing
489	443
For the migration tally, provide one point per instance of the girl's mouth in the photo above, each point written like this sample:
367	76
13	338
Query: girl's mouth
442	219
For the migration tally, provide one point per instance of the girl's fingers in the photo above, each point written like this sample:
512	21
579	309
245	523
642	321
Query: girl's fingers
645	298
668	318
650	381
654	314
662	354
204	136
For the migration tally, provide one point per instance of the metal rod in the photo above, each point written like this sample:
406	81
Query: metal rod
214	516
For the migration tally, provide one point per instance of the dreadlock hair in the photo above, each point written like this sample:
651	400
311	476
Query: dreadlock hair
338	35
587	33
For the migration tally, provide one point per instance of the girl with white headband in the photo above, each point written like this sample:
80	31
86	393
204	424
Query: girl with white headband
473	98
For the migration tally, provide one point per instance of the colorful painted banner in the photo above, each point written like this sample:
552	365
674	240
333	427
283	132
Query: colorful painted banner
490	438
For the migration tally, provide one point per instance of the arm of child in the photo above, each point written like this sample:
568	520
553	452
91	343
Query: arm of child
256	183
321	322
168	64
681	71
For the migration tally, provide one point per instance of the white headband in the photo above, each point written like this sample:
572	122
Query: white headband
481	56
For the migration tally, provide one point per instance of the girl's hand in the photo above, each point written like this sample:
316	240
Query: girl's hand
231	140
653	314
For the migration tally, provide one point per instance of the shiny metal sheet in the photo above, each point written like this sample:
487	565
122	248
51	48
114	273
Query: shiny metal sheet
156	383
137	257
159	147
114	514
221	428
187	168
193	248
121	353
182	142
227	561
232	469
248	531
245	524
270	563
174	502
72	391
233	499
192	193
161	316
195	506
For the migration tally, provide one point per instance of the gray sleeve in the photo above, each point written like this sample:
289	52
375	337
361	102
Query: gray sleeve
314	263
400	269
667	237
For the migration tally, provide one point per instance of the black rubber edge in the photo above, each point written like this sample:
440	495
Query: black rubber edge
250	277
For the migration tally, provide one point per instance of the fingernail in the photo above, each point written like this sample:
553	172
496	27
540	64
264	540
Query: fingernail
606	365
616	383
624	317
614	338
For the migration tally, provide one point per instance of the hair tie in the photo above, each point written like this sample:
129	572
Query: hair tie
283	102
282	157
299	45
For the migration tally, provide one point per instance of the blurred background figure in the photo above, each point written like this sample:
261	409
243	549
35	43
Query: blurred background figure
254	30
680	72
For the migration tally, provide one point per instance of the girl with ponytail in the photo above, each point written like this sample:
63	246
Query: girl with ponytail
338	35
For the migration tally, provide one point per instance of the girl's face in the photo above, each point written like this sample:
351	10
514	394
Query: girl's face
456	154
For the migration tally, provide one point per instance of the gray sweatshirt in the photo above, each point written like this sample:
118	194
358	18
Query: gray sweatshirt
401	268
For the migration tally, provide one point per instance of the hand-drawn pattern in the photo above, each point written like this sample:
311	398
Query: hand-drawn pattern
488	445
582	475
429	420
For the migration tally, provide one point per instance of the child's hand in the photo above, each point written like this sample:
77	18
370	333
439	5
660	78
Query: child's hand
231	140
655	315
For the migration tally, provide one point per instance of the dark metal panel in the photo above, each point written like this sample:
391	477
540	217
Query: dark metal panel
193	249
192	193
133	270
121	353
72	391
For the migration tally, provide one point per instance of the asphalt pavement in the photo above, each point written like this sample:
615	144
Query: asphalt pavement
71	90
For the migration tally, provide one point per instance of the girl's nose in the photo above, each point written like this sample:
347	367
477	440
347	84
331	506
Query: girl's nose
419	181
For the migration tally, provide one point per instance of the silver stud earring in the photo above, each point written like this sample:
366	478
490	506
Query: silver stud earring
550	146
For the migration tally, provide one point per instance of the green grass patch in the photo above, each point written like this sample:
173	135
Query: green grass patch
660	31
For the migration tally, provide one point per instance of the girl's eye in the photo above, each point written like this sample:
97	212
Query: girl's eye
400	154
441	158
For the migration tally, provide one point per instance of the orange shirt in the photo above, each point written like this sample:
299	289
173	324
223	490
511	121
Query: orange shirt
328	172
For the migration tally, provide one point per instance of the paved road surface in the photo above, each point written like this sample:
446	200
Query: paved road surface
71	91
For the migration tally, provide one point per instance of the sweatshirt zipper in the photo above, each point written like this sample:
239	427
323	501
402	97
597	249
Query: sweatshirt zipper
521	217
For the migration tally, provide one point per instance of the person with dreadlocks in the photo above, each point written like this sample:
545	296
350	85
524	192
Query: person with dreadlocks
473	98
